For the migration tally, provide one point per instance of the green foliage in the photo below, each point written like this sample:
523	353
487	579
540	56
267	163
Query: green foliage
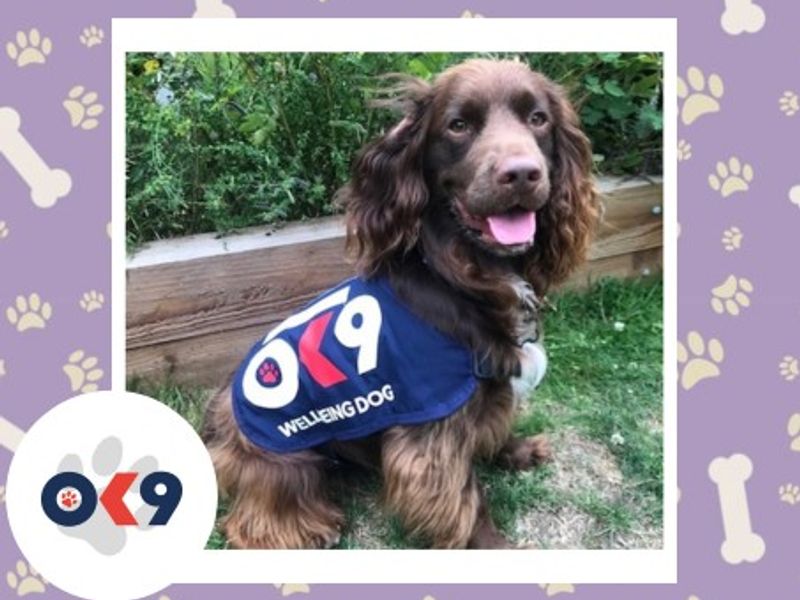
221	141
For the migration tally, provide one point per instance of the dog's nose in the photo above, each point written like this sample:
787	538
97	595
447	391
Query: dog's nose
519	171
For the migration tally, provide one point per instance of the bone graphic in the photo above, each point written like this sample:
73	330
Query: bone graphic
740	543
10	434
47	185
212	9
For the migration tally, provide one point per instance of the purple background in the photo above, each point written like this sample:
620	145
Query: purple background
64	251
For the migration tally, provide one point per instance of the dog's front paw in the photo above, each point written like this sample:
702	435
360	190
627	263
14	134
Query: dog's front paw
525	453
487	537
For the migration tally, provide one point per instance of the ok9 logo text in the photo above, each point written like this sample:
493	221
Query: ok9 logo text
70	499
358	326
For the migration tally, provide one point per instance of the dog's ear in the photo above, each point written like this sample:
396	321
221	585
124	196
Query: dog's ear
387	191
566	224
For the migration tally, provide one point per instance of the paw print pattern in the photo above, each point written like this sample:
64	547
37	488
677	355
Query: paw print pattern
732	239
269	373
30	48
684	150
698	361
731	178
793	429
99	531
92	36
92	301
25	580
3	230
69	499
789	493
82	107
82	372
553	589
697	101
788	103
29	313
789	368
732	295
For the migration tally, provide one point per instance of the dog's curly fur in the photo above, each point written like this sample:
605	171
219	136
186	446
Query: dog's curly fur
412	206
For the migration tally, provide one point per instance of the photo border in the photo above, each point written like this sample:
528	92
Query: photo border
420	35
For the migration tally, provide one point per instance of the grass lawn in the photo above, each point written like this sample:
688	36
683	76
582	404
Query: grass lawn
600	404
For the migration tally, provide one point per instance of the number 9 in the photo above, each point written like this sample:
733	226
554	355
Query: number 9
364	336
167	500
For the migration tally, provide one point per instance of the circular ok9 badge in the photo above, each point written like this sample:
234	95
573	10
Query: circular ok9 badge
108	492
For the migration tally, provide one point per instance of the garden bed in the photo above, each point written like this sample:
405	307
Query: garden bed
196	304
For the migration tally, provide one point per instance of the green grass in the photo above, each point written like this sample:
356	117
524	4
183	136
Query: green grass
600	403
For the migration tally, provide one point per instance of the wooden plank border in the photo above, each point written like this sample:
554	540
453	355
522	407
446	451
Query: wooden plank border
196	304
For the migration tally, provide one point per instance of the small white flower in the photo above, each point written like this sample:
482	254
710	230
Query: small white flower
617	439
619	326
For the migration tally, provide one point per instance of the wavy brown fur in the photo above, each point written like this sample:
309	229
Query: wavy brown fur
402	219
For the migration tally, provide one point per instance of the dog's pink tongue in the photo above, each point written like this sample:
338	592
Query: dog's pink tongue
513	228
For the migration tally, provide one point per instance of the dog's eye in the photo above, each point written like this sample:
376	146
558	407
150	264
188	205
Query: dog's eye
458	126
537	118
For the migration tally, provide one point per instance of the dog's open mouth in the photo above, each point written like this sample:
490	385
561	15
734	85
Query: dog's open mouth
514	227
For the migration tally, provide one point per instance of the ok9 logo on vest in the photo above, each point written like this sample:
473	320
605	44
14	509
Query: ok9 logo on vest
272	377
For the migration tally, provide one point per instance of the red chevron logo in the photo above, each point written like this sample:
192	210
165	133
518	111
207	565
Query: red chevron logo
321	369
112	499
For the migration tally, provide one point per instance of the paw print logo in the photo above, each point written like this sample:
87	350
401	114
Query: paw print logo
3	230
684	150
99	531
30	49
82	107
732	239
82	372
731	295
92	301
788	103
29	313
698	361
789	493
731	178
269	373
697	101
92	36
789	368
70	499
25	580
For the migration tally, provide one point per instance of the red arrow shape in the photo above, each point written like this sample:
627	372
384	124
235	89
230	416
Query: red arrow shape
322	370
112	501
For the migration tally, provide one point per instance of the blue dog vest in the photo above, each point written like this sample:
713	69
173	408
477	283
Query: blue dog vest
353	362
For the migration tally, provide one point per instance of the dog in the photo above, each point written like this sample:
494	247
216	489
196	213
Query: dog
464	214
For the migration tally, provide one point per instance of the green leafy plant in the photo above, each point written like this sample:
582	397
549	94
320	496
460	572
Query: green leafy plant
220	141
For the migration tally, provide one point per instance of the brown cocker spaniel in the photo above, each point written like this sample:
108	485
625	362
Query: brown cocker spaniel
471	207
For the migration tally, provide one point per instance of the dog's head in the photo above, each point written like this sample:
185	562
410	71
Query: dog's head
490	154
